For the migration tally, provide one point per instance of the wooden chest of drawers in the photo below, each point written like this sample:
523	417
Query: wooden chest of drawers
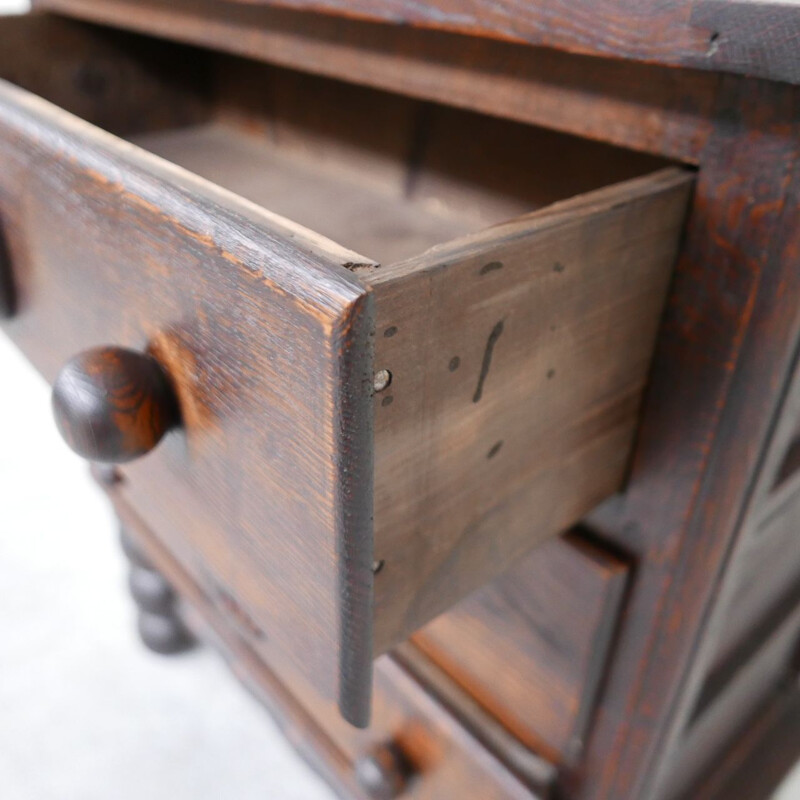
390	294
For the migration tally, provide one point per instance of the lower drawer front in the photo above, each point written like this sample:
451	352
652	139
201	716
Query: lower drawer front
532	646
350	449
415	747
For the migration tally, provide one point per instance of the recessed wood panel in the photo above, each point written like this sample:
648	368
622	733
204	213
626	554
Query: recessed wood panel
531	646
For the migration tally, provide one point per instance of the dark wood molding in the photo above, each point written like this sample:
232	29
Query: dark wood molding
743	36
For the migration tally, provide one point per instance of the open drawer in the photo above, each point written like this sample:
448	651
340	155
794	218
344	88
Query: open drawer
356	441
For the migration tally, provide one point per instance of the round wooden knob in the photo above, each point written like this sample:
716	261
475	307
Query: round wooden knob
112	404
383	772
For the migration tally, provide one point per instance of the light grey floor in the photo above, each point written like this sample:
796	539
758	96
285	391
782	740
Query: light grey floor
85	712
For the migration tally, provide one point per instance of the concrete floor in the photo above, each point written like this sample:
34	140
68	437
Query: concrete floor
85	712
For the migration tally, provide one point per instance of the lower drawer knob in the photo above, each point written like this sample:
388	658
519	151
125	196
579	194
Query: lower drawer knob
112	404
383	772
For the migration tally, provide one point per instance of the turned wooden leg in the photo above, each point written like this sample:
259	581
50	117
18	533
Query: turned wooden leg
160	628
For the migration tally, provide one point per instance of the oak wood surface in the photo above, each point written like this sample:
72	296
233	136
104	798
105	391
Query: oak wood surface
770	673
444	753
754	37
644	107
518	357
533	644
727	347
723	359
574	296
267	341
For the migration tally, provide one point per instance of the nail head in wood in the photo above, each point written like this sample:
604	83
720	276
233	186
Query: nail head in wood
382	380
383	772
112	404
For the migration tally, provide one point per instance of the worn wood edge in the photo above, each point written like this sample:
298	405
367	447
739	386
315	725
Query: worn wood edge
355	503
621	574
700	35
338	300
99	153
198	612
681	135
562	213
536	771
295	719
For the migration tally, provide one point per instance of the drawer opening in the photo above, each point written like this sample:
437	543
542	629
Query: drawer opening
383	175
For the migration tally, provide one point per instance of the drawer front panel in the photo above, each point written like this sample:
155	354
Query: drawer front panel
532	646
268	480
442	755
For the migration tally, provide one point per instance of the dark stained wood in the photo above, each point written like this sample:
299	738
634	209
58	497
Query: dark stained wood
724	356
164	634
766	675
533	645
757	761
112	404
640	106
150	590
752	37
442	741
764	580
535	426
158	621
271	363
702	487
256	322
119	82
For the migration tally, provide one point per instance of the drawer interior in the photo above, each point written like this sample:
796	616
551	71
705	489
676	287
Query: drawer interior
408	342
384	175
533	645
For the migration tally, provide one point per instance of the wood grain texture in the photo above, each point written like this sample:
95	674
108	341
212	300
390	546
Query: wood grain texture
119	82
568	299
532	646
770	673
550	320
113	404
267	341
640	106
760	757
442	741
764	578
725	354
752	37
